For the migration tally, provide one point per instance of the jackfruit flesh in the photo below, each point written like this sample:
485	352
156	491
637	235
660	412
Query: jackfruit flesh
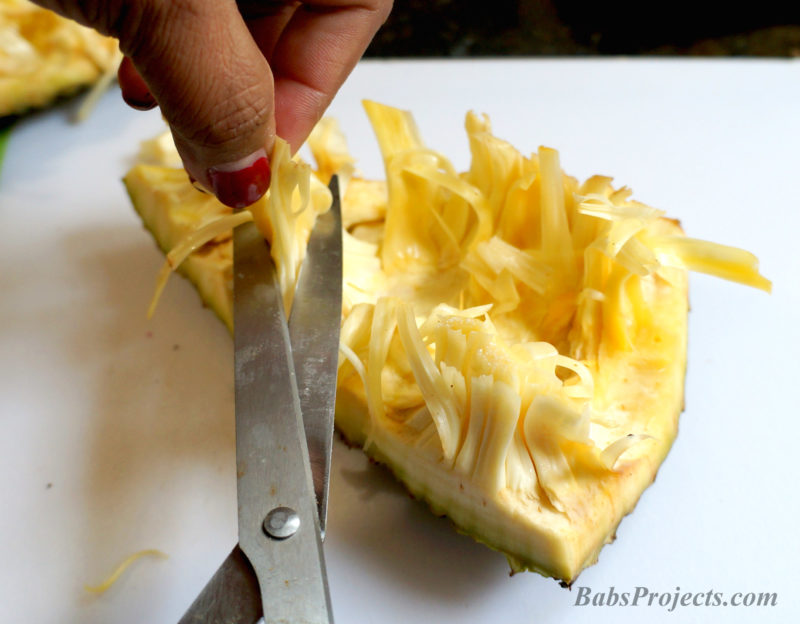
513	342
44	56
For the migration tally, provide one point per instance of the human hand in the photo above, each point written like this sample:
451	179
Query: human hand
230	75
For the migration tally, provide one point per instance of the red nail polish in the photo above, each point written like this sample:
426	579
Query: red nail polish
242	183
135	91
142	106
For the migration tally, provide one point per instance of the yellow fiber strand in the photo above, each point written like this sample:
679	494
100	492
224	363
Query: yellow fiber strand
100	87
161	282
190	243
199	237
102	587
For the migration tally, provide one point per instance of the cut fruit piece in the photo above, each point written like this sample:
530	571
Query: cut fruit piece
44	56
513	342
171	208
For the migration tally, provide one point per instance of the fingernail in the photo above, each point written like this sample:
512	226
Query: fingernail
140	105
197	186
243	182
135	91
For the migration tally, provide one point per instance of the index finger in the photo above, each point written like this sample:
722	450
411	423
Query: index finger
317	50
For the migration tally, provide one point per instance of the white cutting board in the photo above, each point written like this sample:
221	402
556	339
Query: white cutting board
116	434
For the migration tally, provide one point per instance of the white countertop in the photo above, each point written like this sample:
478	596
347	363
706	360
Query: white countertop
116	434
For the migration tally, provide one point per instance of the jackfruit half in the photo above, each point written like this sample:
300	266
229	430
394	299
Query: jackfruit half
513	342
44	56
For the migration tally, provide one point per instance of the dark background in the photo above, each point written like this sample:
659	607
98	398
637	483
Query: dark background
435	28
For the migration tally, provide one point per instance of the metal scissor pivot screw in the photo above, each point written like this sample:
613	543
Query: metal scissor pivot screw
281	522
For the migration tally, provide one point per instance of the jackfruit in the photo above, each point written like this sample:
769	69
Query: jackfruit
513	342
44	56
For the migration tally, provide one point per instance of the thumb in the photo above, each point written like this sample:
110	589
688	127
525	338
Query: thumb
215	89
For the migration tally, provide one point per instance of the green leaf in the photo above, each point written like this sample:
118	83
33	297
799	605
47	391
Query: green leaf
6	124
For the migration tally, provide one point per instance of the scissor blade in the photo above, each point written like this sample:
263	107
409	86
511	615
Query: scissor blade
232	596
273	473
314	329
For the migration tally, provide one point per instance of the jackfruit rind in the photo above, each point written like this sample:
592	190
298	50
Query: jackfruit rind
171	208
514	342
5	134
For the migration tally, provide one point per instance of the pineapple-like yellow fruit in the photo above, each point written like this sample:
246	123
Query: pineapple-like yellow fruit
44	56
513	342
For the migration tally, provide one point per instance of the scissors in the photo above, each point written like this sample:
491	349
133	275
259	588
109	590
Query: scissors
285	391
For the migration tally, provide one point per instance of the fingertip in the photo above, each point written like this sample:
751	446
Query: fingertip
215	90
243	182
